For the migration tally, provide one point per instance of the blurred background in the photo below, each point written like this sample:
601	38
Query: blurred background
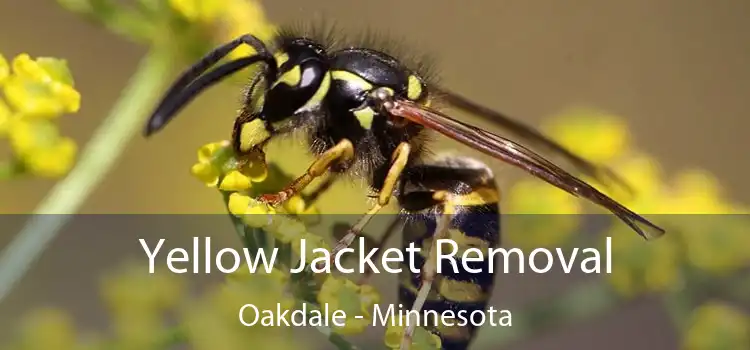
674	72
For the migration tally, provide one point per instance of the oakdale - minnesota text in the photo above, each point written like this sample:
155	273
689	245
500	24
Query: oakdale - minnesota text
382	315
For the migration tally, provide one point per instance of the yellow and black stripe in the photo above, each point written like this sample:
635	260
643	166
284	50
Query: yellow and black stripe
472	196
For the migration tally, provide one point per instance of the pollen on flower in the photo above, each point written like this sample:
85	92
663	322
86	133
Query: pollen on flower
355	300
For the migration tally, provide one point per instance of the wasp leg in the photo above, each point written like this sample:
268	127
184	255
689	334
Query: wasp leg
399	160
341	152
429	269
313	196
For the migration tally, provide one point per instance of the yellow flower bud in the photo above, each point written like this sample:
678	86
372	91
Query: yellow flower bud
343	294
53	161
238	204
207	151
234	181
422	339
206	173
295	205
289	230
42	87
40	99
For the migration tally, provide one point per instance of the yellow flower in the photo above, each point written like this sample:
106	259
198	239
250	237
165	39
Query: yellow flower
595	135
287	229
298	207
241	17
542	215
198	10
41	88
133	288
715	243
48	329
250	211
235	181
216	161
717	326
42	150
4	69
206	173
644	175
354	300
697	192
6	116
278	277
212	322
643	267
422	339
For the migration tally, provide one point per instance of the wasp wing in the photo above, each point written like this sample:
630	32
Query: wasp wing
592	170
519	156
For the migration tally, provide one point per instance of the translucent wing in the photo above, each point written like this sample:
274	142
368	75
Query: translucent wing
519	156
534	137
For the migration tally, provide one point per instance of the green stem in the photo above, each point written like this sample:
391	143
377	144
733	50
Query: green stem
10	169
101	153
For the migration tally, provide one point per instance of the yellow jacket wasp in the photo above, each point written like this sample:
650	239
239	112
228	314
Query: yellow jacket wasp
366	113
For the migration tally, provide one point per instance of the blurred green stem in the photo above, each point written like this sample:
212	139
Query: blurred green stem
102	151
10	169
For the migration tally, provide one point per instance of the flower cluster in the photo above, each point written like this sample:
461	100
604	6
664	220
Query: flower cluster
705	232
36	93
242	179
211	322
188	27
716	325
710	239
